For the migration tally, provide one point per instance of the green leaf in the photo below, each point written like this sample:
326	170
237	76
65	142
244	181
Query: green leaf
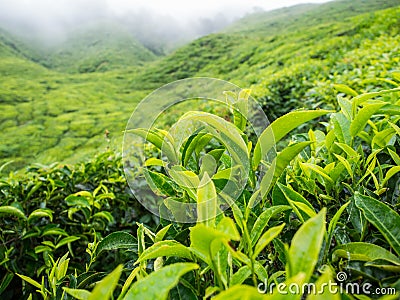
105	288
240	109
152	161
240	292
364	252
54	231
128	282
341	128
395	156
263	219
241	275
351	153
317	169
228	134
362	117
78	201
31	281
208	165
267	238
11	210
382	138
104	215
198	140
321	290
280	128
116	240
364	97
278	166
386	220
158	139
335	219
161	234
6	281
345	107
67	240
345	163
202	237
157	285
228	227
187	180
305	247
78	293
395	127
159	183
389	174
40	249
345	89
41	213
295	200
206	201
165	248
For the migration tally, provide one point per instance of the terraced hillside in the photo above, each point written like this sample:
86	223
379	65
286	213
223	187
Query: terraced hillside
321	211
290	58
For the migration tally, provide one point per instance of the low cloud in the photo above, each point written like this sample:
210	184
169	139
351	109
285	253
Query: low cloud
168	22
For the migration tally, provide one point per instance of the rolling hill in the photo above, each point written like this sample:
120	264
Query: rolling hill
56	104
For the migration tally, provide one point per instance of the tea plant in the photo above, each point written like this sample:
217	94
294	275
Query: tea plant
328	205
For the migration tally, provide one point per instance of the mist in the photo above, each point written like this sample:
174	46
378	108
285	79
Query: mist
159	25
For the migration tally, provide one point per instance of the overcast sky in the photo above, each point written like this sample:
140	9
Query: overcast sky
181	9
158	18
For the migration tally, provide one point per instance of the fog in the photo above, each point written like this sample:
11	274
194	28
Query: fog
156	23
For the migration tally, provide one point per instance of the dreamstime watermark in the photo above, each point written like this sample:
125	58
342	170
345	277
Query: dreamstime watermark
331	287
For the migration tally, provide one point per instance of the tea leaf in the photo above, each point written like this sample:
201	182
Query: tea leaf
206	201
240	292
280	128
263	219
267	238
165	248
305	246
321	291
364	252
116	240
362	117
105	288
31	281
11	210
389	174
386	220
157	285
278	166
345	89
41	213
77	293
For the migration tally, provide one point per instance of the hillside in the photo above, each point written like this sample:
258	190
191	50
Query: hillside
97	48
49	115
306	15
211	208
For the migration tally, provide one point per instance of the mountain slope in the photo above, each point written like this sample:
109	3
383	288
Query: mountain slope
48	115
98	47
306	15
284	68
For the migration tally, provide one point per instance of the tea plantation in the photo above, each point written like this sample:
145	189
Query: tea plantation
322	210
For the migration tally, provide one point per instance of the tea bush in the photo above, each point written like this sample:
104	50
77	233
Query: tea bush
327	203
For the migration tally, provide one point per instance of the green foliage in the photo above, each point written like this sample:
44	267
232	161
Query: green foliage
297	59
328	202
52	210
277	233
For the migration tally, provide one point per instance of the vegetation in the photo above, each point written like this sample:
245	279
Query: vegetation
290	67
321	205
